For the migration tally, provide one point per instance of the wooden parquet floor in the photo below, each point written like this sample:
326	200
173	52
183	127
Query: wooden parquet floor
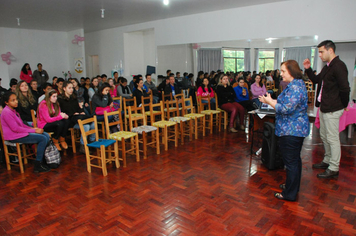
203	187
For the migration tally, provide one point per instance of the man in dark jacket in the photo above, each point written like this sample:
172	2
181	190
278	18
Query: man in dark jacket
172	87
332	98
40	75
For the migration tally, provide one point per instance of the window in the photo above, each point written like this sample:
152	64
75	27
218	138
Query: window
233	60
265	60
312	56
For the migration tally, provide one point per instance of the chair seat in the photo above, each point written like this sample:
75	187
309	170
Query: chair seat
171	108
148	113
134	115
209	112
221	110
144	128
178	119
105	142
163	123
8	143
122	135
194	115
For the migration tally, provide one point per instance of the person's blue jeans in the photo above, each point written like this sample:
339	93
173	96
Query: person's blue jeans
212	103
86	127
100	118
40	139
290	147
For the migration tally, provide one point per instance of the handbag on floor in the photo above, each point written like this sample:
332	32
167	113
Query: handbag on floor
52	155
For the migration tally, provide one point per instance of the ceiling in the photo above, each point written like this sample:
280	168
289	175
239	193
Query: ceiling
67	15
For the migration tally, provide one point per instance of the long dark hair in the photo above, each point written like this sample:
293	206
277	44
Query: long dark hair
24	68
63	95
6	97
100	92
260	83
203	86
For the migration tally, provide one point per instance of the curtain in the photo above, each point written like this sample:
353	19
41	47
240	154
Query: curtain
298	54
256	60
210	59
276	58
315	64
247	59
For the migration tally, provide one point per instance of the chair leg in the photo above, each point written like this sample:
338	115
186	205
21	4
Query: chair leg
181	125
116	153
88	158
144	143
157	141
123	151
72	135
103	160
196	128
19	157
176	135
137	149
165	130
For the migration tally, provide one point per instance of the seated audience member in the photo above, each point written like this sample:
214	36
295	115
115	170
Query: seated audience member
205	90
51	119
277	78
152	88
101	102
116	78
268	76
81	95
69	105
82	81
34	89
15	131
59	85
123	90
139	91
113	89
171	87
226	99
257	89
199	80
94	86
163	84
26	73
13	85
46	87
26	101
132	83
104	78
54	81
100	80
242	96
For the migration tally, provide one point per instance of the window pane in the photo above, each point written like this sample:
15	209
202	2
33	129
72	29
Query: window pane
240	65
264	54
229	64
240	54
229	53
261	65
269	64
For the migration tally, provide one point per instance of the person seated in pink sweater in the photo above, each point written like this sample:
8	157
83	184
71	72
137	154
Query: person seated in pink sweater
51	119
257	89
205	90
15	131
26	73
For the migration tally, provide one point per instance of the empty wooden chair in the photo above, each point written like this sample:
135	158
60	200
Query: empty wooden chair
197	118
126	103
105	154
213	115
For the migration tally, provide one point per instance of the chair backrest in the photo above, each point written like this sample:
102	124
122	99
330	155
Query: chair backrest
166	96
146	101
190	107
84	133
235	84
157	110
34	119
118	100
268	85
272	84
2	136
172	107
201	105
133	119
113	122
179	96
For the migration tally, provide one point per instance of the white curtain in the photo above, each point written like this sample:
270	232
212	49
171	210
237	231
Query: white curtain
210	59
315	64
256	60
276	58
298	54
247	59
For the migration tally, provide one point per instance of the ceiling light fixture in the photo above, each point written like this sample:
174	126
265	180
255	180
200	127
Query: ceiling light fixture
166	2
316	37
102	13
18	21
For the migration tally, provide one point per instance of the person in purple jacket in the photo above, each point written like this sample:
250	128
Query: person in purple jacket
15	131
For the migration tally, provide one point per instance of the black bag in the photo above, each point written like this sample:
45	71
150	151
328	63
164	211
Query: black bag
52	154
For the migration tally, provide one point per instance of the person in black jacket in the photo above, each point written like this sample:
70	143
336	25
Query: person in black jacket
171	87
27	102
139	92
332	97
226	99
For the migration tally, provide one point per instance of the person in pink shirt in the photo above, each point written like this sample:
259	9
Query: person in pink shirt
51	119
205	90
26	73
15	131
257	89
113	90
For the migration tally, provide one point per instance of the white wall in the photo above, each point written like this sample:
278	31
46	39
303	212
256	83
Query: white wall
33	46
176	58
295	18
76	51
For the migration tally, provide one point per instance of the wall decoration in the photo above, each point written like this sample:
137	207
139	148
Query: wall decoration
77	40
78	65
8	57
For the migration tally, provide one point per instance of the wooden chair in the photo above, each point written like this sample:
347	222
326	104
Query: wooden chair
199	119
122	136
268	85
125	106
104	152
214	116
166	96
166	126
21	153
185	125
224	115
311	92
101	123
146	101
143	130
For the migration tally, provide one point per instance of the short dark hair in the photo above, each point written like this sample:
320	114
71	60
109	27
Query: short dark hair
104	75
148	75
39	64
6	97
59	80
45	85
293	69
115	72
327	44
168	71
177	72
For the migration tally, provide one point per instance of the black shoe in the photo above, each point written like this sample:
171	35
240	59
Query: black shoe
282	186
40	167
328	174
53	166
321	165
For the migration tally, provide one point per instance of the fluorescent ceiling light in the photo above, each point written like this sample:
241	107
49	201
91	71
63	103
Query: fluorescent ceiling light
166	2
